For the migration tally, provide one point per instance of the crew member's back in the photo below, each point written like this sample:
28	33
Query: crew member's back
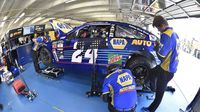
121	85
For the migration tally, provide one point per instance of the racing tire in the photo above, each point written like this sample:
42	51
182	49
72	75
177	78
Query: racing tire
140	68
45	56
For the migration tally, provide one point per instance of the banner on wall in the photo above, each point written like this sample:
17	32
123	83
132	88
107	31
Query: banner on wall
39	28
15	33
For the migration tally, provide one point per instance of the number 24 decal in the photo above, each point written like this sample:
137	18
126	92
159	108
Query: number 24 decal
77	56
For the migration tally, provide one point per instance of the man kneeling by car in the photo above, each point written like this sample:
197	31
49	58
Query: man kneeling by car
119	90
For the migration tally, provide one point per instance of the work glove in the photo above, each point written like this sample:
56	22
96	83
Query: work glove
157	46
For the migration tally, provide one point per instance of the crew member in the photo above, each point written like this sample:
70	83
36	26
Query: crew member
119	90
167	51
37	43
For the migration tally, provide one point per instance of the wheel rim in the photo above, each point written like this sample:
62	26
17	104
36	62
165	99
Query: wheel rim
45	57
140	73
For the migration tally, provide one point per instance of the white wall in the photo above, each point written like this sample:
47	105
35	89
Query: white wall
186	28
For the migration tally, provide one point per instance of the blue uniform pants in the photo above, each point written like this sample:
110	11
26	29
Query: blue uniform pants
162	77
35	61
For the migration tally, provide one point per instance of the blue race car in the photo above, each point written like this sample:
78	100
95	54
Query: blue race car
104	43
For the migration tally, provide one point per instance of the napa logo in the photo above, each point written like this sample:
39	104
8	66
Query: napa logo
118	43
124	79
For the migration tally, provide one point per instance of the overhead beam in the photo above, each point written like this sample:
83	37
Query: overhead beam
180	8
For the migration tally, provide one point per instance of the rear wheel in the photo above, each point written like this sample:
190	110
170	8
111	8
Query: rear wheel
140	68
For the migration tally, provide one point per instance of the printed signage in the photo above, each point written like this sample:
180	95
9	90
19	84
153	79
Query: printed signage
60	45
118	43
15	33
124	79
54	45
39	28
114	59
142	42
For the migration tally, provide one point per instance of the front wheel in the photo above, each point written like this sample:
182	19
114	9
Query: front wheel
140	68
45	57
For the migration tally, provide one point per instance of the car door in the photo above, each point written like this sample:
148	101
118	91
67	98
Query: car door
84	42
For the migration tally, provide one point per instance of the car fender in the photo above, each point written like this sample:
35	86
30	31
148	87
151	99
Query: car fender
150	57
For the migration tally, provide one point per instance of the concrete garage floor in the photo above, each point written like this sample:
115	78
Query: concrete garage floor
67	93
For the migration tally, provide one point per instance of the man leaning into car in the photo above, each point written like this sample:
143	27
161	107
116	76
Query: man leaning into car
37	41
167	51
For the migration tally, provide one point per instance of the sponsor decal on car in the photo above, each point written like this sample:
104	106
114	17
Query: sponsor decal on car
118	43
142	42
114	59
60	45
54	45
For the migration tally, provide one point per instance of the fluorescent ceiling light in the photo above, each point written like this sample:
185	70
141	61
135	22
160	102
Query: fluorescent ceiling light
68	1
5	18
101	16
37	19
16	20
87	4
19	17
25	20
22	15
2	23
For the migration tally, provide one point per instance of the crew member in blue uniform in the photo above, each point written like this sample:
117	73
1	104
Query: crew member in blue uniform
119	90
167	51
37	43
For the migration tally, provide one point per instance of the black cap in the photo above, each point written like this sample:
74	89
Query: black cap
111	68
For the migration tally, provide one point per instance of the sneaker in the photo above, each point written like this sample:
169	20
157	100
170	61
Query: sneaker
150	97
1	106
145	109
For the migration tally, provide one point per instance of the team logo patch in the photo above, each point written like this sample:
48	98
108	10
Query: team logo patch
128	88
118	43
124	79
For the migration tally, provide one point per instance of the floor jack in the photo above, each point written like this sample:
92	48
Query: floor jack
52	72
21	89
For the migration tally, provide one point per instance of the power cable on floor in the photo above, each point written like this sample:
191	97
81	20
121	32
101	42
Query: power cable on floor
180	91
54	107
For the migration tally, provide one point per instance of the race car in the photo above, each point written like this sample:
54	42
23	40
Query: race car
103	43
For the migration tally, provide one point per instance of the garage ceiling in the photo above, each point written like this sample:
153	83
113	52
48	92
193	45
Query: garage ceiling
17	13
